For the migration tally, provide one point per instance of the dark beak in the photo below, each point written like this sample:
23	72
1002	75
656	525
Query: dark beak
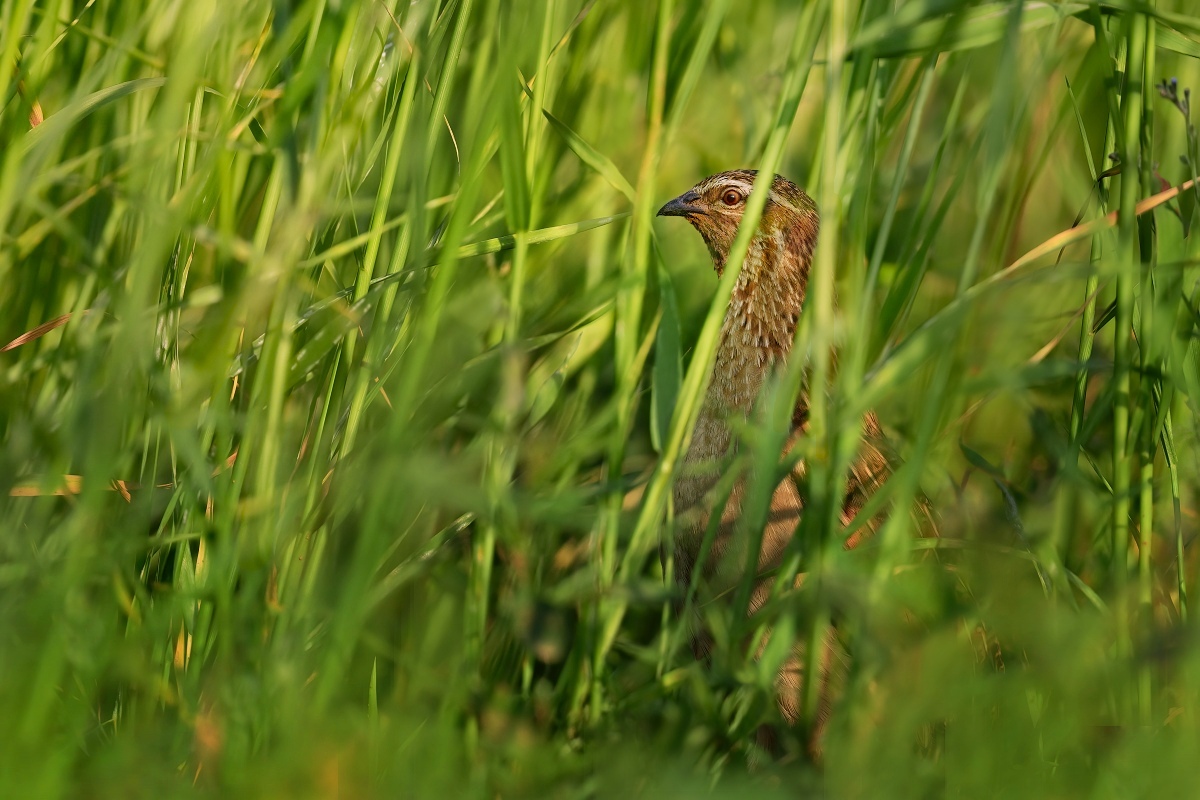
682	206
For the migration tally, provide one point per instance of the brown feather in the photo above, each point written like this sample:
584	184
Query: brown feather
756	338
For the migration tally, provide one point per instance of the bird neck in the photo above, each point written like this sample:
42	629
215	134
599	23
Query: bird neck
756	334
764	309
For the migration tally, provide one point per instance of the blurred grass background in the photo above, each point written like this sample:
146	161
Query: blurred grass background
343	351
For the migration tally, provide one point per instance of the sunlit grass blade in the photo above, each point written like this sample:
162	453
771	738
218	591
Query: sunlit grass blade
592	157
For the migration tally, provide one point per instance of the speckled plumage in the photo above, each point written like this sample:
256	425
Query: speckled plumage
756	337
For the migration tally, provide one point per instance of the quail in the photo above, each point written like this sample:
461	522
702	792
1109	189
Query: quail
755	340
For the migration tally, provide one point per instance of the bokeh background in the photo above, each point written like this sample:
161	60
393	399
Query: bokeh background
341	350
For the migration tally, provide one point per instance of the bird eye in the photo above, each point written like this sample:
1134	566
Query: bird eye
731	197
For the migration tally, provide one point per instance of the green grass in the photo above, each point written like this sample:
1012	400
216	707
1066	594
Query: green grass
349	371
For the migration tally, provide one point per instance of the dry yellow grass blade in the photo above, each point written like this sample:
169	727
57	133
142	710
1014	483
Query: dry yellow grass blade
36	333
35	108
73	485
1071	235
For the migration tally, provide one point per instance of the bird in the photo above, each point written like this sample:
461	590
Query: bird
756	339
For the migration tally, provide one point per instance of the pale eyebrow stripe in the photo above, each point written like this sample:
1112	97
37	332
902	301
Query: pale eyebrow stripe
725	182
741	186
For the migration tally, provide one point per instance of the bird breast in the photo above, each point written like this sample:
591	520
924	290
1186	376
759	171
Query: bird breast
756	334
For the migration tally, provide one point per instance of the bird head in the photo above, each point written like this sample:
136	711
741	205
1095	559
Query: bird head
715	206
